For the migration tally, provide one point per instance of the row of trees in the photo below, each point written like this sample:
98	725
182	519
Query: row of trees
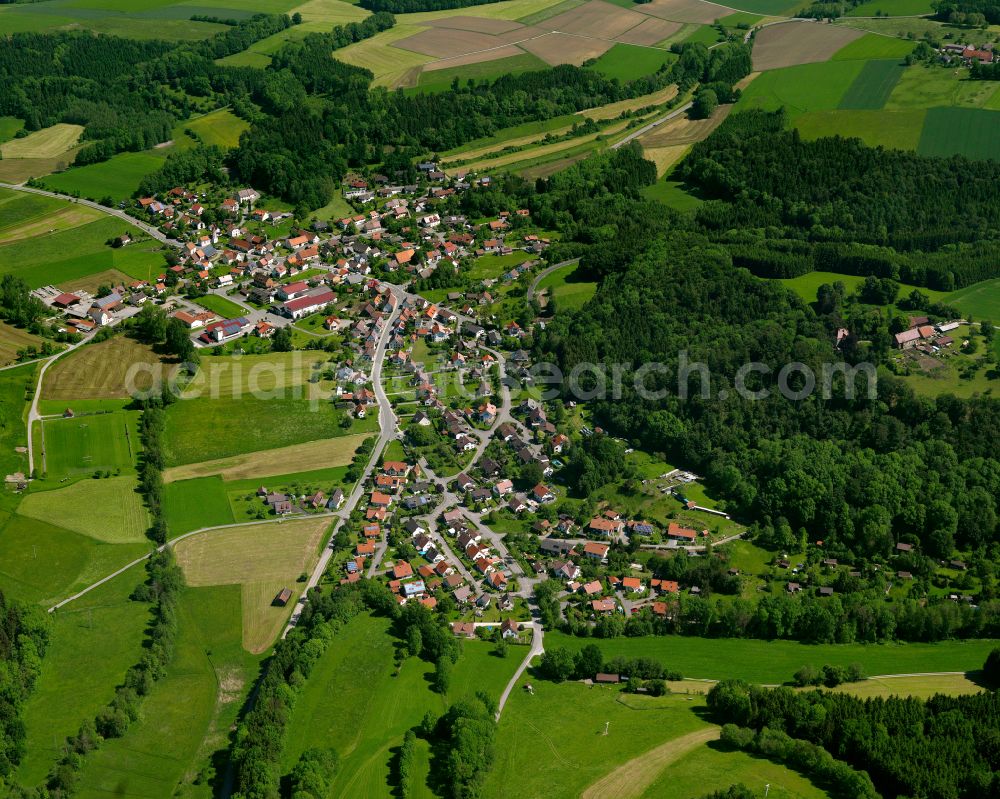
24	637
164	582
943	748
152	422
559	664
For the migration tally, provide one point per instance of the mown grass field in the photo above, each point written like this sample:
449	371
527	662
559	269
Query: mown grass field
281	461
109	509
558	729
873	86
117	178
196	503
80	446
205	429
627	62
225	308
972	132
9	126
109	369
922	687
15	385
45	143
353	703
105	623
69	255
773	662
932	87
187	717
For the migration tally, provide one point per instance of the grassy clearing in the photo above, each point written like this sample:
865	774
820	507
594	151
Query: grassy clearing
772	662
80	446
808	87
70	255
893	129
16	386
710	767
193	504
672	194
284	460
117	178
872	88
703	34
922	687
567	293
107	626
972	132
565	724
186	719
221	128
981	300
872	46
100	371
49	142
628	62
109	510
206	429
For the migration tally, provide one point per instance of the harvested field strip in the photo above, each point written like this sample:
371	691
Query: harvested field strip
99	371
564	48
792	43
262	619
871	89
109	510
651	31
251	553
46	143
477	24
506	51
631	779
664	157
296	458
683	130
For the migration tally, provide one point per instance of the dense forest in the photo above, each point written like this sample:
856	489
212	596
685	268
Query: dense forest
967	12
865	210
944	748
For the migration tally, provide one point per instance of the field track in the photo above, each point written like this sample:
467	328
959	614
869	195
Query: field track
631	779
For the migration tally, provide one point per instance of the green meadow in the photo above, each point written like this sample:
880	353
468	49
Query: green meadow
981	300
972	132
46	259
186	719
873	86
559	730
353	703
872	46
628	61
808	87
894	129
109	509
193	504
438	80
221	128
774	662
104	622
568	294
85	444
220	305
117	178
